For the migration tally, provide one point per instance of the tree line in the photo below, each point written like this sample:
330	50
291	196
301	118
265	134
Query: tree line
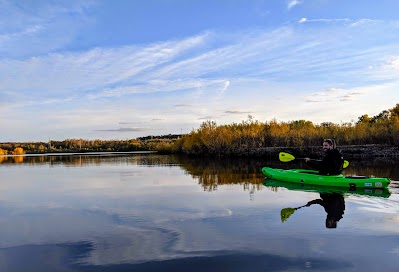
247	136
237	138
75	145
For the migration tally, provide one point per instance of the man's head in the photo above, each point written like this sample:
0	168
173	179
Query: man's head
328	144
331	223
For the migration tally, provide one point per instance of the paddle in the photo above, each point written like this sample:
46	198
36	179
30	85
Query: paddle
286	157
287	212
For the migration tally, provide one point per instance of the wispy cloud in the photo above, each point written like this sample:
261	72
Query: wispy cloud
206	118
385	69
160	86
237	112
29	31
95	72
334	95
129	123
293	3
168	66
393	63
323	20
38	23
226	85
349	21
126	130
183	106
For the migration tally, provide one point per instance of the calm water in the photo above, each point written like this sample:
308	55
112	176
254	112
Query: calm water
146	212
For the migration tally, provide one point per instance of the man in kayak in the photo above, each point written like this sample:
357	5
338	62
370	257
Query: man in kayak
332	162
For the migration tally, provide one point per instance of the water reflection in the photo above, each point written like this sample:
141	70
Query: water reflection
54	258
150	213
333	204
332	199
210	172
13	159
86	160
275	185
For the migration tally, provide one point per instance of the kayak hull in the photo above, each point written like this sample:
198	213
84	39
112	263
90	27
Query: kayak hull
375	192
312	177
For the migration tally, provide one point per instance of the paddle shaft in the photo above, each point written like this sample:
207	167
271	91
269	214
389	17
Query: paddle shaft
344	165
286	157
307	158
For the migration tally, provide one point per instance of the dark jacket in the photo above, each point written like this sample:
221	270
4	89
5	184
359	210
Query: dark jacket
331	164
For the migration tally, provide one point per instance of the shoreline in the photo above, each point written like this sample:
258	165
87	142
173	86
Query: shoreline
348	151
79	153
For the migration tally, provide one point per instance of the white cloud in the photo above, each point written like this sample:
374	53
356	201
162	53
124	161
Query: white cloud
127	129
23	34
226	85
333	95
71	74
384	70
365	22
237	112
393	63
154	86
323	20
350	22
293	3
302	20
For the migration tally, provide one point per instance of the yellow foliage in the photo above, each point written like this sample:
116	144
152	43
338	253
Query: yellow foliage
3	152
18	151
244	137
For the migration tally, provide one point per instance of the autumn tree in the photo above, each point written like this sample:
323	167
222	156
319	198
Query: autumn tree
18	151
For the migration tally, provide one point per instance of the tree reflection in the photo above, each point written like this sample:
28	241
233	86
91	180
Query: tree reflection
213	172
210	172
18	159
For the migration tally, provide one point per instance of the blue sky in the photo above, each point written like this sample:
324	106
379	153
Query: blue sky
125	69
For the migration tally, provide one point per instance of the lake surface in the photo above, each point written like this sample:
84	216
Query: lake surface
148	212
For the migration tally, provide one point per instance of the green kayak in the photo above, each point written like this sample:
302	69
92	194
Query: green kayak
303	176
377	192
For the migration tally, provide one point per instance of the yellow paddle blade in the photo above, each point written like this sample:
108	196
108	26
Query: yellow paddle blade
285	157
286	213
346	164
